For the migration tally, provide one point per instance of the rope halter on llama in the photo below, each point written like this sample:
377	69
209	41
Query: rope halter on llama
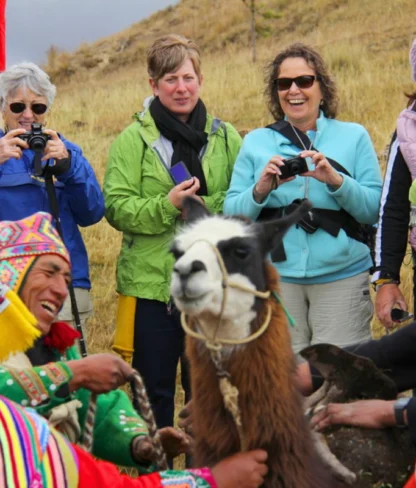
215	344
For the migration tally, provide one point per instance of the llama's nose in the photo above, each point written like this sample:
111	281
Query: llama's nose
187	269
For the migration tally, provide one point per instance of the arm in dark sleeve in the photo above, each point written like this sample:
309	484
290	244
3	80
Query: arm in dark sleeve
394	354
392	232
411	419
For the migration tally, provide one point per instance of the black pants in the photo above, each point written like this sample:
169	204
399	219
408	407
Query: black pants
158	347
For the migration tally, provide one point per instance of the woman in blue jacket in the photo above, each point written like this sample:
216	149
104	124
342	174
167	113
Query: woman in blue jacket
323	263
26	95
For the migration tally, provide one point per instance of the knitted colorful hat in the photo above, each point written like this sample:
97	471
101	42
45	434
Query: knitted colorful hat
412	58
21	242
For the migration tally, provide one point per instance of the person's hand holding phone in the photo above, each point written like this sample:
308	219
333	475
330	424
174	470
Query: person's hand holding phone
398	315
388	297
185	189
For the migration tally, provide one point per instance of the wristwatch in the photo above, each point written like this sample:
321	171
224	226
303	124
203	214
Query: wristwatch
399	408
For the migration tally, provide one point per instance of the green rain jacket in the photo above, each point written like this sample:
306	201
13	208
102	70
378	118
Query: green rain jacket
116	421
136	187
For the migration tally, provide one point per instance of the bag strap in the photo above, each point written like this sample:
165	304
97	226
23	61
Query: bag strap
288	131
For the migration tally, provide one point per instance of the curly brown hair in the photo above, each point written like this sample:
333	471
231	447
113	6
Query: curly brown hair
315	61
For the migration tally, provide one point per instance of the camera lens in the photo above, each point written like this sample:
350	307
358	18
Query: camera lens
37	143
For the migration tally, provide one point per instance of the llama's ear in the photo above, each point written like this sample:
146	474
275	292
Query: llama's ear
193	209
274	230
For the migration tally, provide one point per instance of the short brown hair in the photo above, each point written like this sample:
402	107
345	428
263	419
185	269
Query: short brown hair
315	61
168	53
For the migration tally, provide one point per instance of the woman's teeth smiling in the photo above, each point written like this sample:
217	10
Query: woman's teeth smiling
296	102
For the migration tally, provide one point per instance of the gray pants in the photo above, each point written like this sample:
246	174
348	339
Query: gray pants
338	313
84	302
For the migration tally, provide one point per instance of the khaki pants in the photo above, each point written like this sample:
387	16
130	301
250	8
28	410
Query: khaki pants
84	303
338	313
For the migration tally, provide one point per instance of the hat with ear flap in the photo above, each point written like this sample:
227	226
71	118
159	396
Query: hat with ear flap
412	58
22	242
17	325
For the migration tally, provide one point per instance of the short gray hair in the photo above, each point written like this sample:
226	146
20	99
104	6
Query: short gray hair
26	75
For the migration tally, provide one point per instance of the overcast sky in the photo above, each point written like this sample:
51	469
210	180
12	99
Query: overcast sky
34	25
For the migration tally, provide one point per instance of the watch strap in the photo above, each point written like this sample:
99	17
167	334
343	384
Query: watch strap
399	408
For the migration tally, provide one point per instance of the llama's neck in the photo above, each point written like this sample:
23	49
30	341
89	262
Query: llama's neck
230	329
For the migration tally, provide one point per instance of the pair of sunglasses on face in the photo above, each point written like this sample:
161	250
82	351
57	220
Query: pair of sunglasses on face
304	81
36	108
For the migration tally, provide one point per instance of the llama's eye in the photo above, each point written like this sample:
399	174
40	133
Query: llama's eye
240	252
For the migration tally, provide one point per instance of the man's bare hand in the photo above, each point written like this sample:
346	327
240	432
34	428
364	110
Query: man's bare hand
371	414
243	470
174	443
99	373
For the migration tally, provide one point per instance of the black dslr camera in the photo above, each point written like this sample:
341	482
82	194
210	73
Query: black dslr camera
36	138
293	166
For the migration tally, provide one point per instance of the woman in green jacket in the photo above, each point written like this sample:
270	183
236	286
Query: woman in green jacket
173	149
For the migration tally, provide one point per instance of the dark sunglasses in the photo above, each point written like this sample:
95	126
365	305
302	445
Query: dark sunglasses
304	81
36	108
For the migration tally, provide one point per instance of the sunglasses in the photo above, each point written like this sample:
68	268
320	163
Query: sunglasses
36	108
304	81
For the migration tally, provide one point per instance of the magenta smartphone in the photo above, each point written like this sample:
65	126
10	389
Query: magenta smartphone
179	173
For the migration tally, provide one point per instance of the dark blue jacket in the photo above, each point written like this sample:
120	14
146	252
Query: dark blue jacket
79	196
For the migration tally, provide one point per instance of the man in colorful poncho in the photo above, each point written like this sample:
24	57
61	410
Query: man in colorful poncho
34	455
50	377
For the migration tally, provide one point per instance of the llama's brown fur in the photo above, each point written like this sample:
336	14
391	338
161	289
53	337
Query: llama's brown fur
271	407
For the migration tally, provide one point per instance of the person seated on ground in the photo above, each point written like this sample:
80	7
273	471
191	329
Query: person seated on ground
395	355
34	454
35	264
26	96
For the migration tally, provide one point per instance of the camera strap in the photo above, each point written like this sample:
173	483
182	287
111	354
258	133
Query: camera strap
329	220
54	206
37	163
302	141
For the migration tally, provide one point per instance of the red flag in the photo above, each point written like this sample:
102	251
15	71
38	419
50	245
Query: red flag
2	35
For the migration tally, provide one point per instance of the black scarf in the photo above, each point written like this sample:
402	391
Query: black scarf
187	139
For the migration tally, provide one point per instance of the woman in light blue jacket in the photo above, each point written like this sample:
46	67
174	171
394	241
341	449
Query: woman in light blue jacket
324	262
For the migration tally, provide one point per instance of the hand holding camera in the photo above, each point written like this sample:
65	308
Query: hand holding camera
323	172
270	178
46	141
11	145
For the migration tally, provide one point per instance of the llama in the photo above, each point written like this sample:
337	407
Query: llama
262	370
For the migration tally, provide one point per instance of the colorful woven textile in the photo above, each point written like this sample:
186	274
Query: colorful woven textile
201	478
31	454
21	241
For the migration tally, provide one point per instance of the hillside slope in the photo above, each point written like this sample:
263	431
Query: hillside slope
215	24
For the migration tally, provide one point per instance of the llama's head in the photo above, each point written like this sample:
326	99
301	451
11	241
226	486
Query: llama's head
197	284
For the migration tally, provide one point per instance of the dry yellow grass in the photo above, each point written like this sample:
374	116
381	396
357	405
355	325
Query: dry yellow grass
365	42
